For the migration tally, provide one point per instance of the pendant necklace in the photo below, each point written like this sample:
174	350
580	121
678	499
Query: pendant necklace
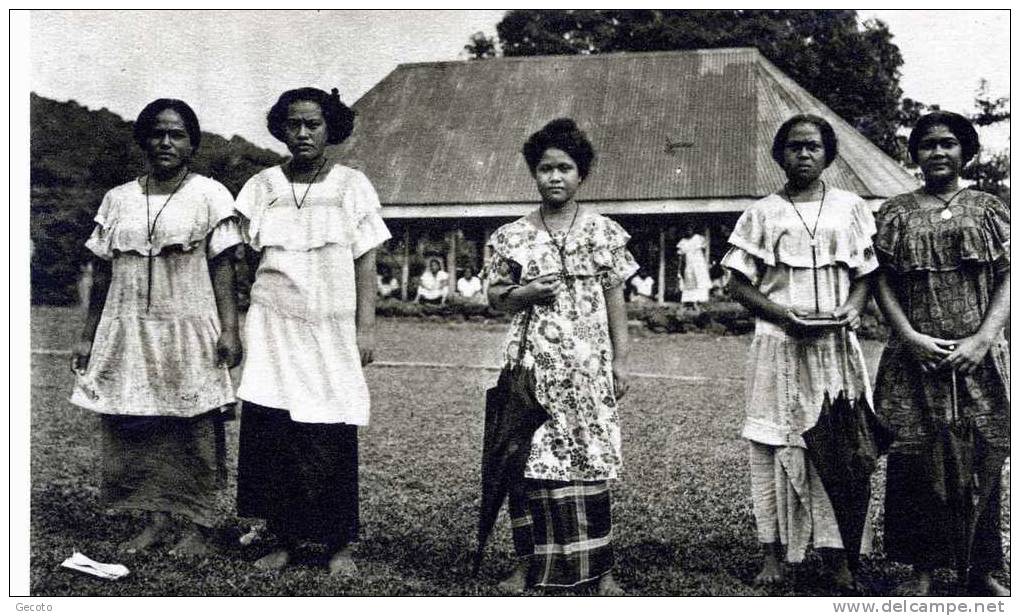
561	248
314	177
814	241
150	228
946	213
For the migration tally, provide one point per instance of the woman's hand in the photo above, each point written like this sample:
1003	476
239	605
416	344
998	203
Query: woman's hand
541	290
366	346
847	315
929	351
80	355
967	354
798	326
228	349
621	378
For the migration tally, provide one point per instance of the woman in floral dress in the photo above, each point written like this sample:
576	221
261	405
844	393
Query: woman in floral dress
803	250
161	334
944	287
566	265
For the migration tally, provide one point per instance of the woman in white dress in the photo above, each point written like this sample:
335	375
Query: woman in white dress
161	334
695	283
803	250
309	331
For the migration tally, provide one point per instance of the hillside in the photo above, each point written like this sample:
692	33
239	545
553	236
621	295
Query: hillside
77	154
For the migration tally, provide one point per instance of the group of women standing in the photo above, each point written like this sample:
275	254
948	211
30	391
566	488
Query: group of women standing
938	261
162	333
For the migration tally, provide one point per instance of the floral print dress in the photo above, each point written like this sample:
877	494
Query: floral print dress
567	341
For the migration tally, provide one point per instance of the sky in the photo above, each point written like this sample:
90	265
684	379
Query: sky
231	66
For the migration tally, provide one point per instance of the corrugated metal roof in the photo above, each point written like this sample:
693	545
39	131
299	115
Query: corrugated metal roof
665	125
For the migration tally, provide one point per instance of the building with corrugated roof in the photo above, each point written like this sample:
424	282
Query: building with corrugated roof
681	137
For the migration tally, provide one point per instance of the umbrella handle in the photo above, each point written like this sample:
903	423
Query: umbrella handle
844	363
955	410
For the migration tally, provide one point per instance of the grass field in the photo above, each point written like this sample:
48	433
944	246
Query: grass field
682	515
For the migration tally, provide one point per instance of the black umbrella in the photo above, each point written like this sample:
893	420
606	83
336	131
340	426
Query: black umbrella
512	414
844	446
956	479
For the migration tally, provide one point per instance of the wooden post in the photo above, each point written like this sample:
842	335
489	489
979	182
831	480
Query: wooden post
661	293
405	262
451	261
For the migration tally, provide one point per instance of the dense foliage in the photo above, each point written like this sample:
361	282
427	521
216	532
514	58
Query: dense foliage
77	154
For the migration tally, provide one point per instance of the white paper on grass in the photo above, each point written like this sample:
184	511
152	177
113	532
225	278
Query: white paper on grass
80	562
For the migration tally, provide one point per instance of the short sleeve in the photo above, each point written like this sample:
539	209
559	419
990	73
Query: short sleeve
615	263
500	268
101	240
225	232
996	228
246	205
861	237
369	228
743	262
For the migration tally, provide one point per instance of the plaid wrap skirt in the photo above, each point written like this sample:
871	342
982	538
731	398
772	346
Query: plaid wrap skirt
563	530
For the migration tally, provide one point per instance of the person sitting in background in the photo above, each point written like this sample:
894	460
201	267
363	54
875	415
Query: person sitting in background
469	287
434	285
642	287
386	285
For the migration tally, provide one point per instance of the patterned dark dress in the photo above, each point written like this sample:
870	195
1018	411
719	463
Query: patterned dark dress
944	273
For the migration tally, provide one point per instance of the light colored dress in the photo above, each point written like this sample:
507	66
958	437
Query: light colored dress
695	281
430	286
156	356
301	342
787	377
568	342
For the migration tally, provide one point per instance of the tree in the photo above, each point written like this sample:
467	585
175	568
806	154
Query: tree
990	173
851	67
480	46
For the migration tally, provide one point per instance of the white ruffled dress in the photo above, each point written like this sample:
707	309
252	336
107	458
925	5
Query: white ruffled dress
301	352
787	377
156	356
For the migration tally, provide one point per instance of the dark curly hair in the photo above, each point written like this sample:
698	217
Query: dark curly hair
824	128
339	117
147	119
562	134
956	123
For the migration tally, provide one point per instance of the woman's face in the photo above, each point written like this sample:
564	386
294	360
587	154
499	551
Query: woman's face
804	154
433	266
305	131
168	146
557	177
939	154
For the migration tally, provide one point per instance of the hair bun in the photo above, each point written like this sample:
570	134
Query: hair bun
561	125
335	92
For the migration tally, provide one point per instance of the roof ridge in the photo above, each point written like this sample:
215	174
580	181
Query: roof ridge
590	56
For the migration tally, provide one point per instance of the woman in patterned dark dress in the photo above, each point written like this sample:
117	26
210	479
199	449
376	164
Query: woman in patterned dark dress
944	287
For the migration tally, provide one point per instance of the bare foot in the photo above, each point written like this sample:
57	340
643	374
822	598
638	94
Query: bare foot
342	563
920	586
273	561
609	587
771	571
842	577
192	544
152	534
984	585
515	583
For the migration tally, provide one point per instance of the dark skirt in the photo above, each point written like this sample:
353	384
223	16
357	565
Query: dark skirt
563	530
918	530
164	464
302	478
